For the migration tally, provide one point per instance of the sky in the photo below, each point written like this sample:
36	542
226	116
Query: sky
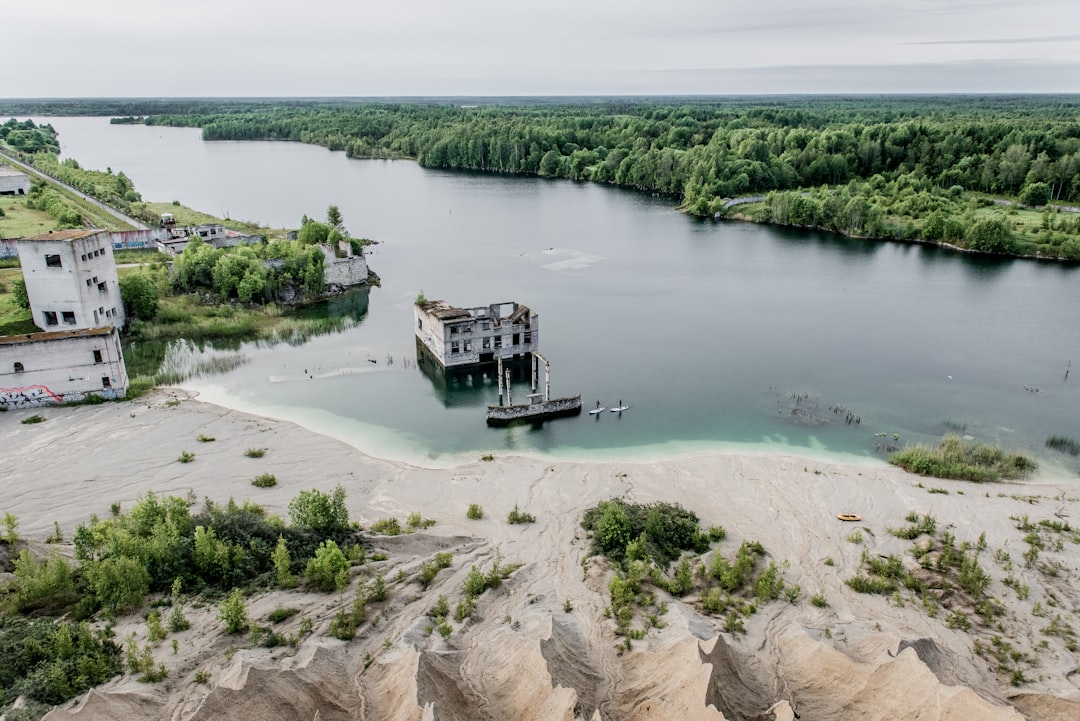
315	48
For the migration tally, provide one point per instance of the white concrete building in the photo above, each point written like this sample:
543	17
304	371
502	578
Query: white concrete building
71	280
39	369
461	337
13	182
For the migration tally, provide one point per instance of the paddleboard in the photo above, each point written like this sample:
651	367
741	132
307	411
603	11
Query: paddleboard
594	411
620	409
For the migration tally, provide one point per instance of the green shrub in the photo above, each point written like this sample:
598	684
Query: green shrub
386	527
329	569
36	418
282	614
255	452
233	612
475	512
206	439
186	457
415	522
320	512
264	480
818	599
516	515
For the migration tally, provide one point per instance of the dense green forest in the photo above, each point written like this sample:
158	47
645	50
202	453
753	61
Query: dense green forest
922	167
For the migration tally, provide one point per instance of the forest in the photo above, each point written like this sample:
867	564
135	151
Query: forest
985	173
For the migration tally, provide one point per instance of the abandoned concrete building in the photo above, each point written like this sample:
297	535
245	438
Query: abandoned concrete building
61	366
71	280
468	337
74	295
13	182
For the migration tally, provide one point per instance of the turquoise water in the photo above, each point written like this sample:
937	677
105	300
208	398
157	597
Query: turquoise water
706	330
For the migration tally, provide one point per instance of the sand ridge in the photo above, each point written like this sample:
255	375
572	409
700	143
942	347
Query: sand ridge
524	655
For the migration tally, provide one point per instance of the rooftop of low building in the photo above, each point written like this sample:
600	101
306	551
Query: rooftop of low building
54	334
70	234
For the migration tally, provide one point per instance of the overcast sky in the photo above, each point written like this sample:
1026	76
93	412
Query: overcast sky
152	48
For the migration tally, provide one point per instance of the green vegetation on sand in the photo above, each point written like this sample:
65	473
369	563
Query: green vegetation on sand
963	460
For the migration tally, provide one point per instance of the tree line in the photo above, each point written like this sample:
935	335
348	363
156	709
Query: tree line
704	151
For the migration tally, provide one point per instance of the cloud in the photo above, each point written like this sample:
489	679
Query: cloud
1001	41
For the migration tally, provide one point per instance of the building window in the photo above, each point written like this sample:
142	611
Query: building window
97	356
114	312
50	317
455	348
52	260
89	282
106	382
498	342
69	317
517	338
528	337
84	256
487	344
420	323
18	367
468	346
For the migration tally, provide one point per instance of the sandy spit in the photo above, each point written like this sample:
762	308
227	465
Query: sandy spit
540	646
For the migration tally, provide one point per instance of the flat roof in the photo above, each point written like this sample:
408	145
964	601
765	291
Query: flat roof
5	170
71	234
54	335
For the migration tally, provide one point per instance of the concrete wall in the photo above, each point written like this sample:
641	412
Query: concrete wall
84	285
12	182
9	248
345	271
61	367
137	239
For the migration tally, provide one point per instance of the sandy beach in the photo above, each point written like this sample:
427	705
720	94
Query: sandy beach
540	646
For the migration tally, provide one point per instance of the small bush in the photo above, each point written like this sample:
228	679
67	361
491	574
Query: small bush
233	612
516	515
264	480
475	512
386	527
206	439
416	522
186	457
36	418
818	599
329	569
255	452
282	614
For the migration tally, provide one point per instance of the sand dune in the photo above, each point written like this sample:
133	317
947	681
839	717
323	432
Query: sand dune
539	646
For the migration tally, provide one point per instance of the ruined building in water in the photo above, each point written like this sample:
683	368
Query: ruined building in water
472	337
74	295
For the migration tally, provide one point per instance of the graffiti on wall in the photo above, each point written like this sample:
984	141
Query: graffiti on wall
36	396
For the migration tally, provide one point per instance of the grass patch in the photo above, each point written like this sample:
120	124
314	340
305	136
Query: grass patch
963	460
264	480
475	512
206	439
31	420
255	452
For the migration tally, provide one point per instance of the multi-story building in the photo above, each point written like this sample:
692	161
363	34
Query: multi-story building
463	337
74	297
71	280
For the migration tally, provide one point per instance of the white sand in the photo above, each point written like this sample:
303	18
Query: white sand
834	662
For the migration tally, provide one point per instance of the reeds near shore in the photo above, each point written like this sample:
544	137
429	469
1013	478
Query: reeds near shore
963	460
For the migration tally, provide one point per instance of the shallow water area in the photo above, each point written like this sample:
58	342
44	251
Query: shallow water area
717	335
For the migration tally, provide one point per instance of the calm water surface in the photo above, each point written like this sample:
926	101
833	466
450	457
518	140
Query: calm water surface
705	330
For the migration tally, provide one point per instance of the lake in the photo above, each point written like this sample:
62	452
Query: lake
716	334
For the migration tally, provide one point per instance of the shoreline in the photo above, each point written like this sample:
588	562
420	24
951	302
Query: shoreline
412	453
81	460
